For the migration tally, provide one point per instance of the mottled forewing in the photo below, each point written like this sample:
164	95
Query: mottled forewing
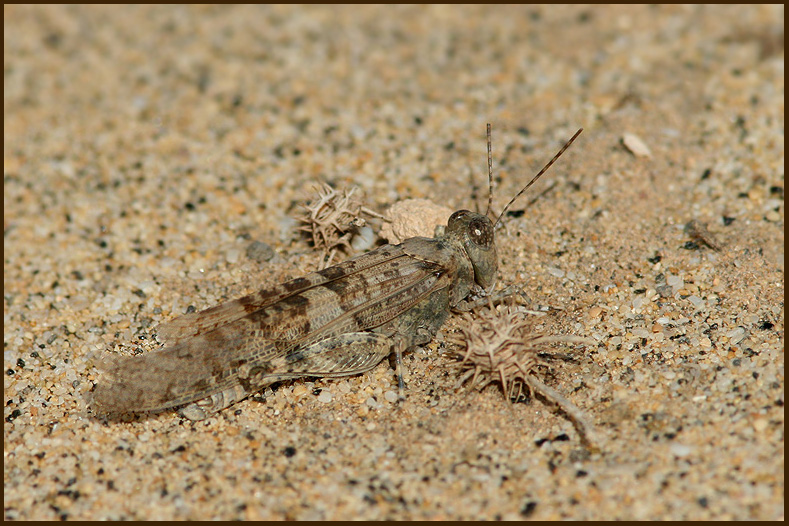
189	325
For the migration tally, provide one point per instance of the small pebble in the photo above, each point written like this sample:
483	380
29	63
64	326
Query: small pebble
636	146
232	255
556	272
665	291
760	424
680	450
736	335
772	216
696	301
363	240
259	251
675	282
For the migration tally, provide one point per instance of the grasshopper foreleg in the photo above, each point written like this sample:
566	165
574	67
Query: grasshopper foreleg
512	293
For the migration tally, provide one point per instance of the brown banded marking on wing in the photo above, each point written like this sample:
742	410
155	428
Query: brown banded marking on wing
213	361
330	309
191	324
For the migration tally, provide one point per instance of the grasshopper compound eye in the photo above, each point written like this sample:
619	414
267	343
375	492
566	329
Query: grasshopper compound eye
472	227
480	231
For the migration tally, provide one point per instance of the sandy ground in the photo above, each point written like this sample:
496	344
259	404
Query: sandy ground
146	148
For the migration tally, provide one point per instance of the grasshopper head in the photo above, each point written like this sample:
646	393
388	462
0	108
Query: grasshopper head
475	232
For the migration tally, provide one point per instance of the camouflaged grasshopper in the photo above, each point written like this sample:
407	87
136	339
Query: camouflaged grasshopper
340	321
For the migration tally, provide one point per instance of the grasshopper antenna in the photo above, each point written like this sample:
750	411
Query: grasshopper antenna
534	179
490	173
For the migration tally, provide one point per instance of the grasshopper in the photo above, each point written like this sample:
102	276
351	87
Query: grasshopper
336	322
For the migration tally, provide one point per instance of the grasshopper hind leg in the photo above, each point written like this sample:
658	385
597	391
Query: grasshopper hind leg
402	344
344	355
211	405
